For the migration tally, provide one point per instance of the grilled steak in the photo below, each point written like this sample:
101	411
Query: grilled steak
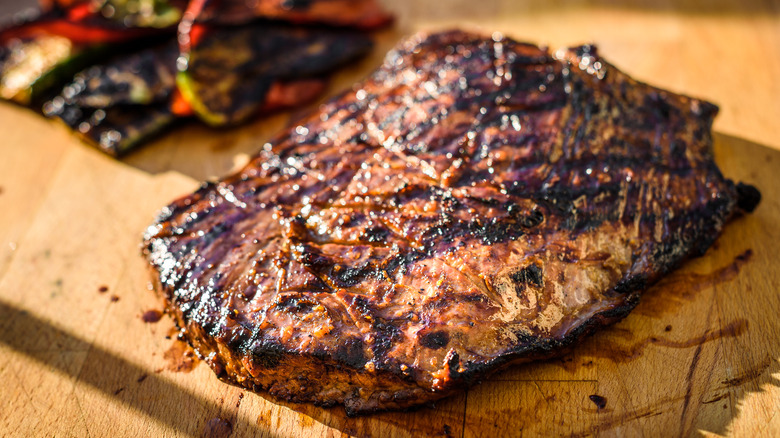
475	202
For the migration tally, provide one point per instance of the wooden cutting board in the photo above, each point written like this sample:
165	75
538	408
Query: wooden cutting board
699	355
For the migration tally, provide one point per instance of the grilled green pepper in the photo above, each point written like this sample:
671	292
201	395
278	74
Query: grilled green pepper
45	52
228	72
32	66
142	13
118	105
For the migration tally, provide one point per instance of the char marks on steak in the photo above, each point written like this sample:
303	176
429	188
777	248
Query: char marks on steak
474	202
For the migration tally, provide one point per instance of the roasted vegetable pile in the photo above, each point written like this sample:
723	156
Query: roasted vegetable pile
119	71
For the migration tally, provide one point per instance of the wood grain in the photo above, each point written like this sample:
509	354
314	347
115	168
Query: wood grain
700	355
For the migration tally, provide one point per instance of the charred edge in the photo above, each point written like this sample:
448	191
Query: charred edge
351	353
748	197
601	319
269	354
453	365
630	284
182	205
237	339
696	232
531	347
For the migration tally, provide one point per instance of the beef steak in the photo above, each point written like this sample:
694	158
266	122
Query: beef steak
476	201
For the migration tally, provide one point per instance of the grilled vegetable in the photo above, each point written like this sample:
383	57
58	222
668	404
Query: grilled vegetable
137	79
118	130
142	13
33	66
223	75
79	26
229	71
363	14
44	53
119	105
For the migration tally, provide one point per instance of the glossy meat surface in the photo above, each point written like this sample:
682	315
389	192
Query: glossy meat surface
476	201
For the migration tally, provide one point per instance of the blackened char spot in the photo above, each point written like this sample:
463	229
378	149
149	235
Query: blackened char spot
296	4
677	151
661	108
532	219
453	363
350	276
386	335
312	258
296	304
363	306
748	197
473	298
342	276
376	234
351	353
435	340
402	260
531	274
214	232
237	338
631	284
490	230
495	231
268	354
586	49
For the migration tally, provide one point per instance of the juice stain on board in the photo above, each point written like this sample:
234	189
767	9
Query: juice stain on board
217	428
668	295
180	357
679	287
151	316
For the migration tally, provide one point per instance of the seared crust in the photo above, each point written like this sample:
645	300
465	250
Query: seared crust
475	202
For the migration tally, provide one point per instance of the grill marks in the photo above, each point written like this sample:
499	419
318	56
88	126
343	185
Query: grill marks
474	201
530	275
